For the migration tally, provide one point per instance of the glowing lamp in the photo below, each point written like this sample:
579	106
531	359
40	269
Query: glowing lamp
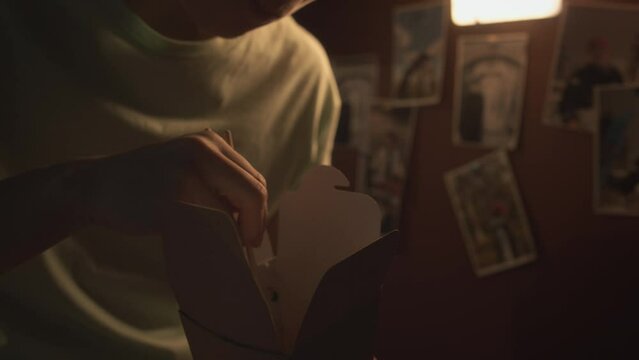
475	12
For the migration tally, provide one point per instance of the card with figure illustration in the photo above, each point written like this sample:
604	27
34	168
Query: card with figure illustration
489	90
391	134
491	215
598	46
419	49
357	79
616	150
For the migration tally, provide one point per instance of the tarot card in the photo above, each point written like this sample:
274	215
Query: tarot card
419	34
491	215
489	90
391	132
616	150
598	46
357	79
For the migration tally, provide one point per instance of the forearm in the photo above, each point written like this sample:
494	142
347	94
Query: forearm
38	209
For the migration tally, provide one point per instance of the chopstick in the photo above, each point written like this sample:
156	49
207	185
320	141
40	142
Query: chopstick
248	251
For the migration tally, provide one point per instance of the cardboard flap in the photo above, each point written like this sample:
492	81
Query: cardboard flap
319	226
208	346
210	277
343	311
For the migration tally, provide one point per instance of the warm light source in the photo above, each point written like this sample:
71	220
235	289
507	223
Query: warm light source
474	12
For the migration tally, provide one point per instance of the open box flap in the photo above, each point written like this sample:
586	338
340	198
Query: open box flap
211	279
208	346
341	320
319	226
325	236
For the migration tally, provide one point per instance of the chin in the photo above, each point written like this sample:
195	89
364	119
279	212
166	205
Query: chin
232	34
234	31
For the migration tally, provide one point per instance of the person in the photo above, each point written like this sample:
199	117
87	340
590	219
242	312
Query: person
490	98
578	94
419	79
111	111
471	116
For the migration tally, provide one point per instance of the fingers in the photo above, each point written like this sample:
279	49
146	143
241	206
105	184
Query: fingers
228	137
244	193
225	144
233	182
195	191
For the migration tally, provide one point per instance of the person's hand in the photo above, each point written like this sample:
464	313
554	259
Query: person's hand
130	191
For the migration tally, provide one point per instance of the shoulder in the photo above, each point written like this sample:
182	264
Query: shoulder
300	39
296	47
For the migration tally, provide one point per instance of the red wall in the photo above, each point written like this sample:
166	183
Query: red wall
577	301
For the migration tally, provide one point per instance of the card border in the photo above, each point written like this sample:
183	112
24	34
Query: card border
596	146
456	116
565	10
500	155
446	21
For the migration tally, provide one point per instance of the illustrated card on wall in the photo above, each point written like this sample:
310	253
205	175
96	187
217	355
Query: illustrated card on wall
491	215
419	39
357	79
391	133
599	45
616	148
489	90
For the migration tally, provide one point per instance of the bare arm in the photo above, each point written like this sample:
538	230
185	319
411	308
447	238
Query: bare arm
40	208
128	192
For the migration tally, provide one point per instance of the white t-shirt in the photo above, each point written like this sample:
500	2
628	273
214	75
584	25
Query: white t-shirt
87	78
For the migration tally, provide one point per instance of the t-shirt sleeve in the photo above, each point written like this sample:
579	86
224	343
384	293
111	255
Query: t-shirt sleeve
329	106
327	110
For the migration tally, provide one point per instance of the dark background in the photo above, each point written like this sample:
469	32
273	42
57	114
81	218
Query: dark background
577	301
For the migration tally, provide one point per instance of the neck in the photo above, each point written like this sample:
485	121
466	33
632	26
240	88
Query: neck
167	17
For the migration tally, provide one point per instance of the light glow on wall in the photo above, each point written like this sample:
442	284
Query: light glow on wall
475	12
